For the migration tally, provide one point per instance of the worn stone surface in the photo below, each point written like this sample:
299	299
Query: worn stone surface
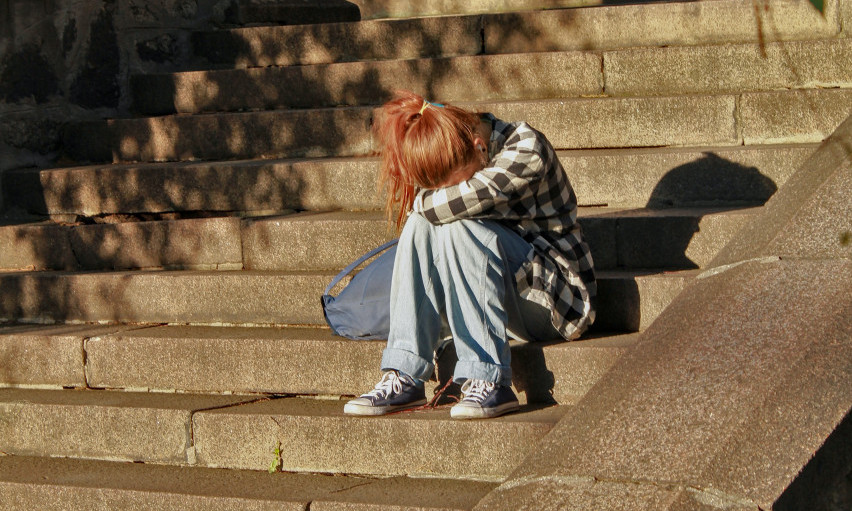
46	355
739	400
400	493
92	424
248	186
315	436
484	77
35	247
808	218
202	297
685	23
390	8
652	121
72	485
313	133
341	42
631	304
200	243
730	68
793	116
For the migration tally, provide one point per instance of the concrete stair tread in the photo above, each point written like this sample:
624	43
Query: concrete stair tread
668	176
626	72
574	123
288	360
598	28
242	432
34	482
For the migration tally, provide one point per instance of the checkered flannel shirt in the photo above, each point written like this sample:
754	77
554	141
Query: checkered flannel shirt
525	188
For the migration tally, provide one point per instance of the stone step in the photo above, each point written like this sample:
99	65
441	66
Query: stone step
88	485
623	178
627	300
632	72
294	12
598	28
579	123
243	432
295	361
641	238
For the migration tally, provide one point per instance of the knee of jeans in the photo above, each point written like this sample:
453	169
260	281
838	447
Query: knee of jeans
467	234
416	230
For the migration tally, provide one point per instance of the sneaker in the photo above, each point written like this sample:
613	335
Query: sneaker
394	392
483	399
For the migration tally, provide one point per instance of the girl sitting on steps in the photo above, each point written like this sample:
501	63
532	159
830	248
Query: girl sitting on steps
490	248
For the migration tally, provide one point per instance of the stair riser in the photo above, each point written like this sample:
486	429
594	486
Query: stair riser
505	77
683	178
634	72
603	28
255	298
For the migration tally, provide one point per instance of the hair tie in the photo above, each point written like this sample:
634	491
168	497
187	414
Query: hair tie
426	103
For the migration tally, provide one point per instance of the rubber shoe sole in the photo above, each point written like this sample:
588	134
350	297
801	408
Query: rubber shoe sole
472	411
363	407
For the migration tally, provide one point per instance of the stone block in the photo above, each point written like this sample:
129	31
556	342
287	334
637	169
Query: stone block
91	424
295	133
315	436
77	485
197	297
652	121
809	218
448	80
730	68
249	186
35	247
392	9
207	359
688	23
632	302
312	241
742	398
793	116
207	243
340	42
32	355
406	493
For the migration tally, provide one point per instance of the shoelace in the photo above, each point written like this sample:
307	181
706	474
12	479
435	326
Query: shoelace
389	384
477	390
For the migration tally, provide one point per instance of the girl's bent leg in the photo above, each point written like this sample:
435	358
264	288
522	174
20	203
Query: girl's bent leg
416	301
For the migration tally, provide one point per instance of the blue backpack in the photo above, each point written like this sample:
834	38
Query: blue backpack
362	310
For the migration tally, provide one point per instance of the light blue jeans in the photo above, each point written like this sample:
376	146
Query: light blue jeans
460	275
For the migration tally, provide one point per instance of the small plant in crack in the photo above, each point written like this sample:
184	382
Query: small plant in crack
277	461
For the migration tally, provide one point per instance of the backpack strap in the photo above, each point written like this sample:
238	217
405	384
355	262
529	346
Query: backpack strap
358	262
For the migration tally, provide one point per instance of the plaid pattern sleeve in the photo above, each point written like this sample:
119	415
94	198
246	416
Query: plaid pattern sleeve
525	187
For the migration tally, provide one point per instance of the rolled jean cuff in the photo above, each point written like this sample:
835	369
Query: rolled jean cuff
473	370
407	362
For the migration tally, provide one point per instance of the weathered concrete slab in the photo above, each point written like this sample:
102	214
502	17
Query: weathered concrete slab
93	424
295	133
648	121
680	177
665	24
641	238
295	12
205	243
46	355
35	247
628	301
793	116
483	77
250	186
202	297
393	9
739	400
284	361
729	68
77	485
315	436
811	217
341	42
398	493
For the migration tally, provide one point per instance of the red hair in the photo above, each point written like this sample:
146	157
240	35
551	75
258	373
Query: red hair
422	144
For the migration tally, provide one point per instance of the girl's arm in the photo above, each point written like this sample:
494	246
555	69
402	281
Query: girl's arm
511	178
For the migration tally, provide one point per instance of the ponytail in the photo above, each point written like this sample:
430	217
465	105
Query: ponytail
421	143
